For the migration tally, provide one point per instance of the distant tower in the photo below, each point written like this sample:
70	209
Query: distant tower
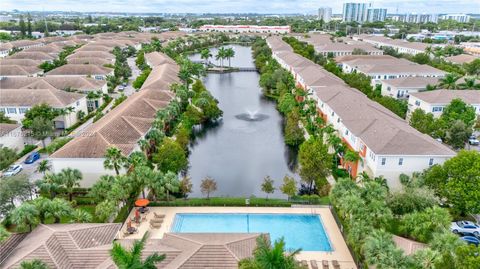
325	14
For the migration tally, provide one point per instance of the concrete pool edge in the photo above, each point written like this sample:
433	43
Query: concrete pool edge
340	251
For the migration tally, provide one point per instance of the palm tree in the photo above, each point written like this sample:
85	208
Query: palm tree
59	208
33	264
80	216
266	256
132	258
70	179
43	167
114	159
376	245
25	215
121	189
229	53
220	55
136	159
50	183
155	184
170	183
205	54
469	84
449	81
426	258
430	87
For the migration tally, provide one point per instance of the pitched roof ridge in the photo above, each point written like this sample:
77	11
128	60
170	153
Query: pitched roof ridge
124	118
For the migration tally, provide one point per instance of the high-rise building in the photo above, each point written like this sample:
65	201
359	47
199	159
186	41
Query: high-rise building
456	17
376	14
416	18
355	12
325	14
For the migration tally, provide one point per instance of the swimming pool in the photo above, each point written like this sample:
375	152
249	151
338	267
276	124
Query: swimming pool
299	230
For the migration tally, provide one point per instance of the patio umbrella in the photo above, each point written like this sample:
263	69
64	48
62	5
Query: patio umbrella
142	202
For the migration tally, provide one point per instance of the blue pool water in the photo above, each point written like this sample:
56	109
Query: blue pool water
299	230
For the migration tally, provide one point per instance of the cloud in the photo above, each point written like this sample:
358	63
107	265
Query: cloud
237	6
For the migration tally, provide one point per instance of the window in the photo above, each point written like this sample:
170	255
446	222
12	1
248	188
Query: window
437	109
417	103
400	161
11	110
346	132
333	113
384	160
22	110
430	162
2	109
338	120
389	88
78	103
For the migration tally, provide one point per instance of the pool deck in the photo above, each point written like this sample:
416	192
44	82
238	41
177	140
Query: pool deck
339	251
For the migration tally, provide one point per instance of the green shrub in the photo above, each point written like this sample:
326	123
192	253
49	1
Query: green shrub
224	201
27	149
56	144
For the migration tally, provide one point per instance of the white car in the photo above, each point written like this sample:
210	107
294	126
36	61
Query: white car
13	170
465	226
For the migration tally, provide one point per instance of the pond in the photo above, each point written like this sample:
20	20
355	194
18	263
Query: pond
247	143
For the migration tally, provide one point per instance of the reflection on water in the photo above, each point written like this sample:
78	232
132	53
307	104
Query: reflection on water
247	144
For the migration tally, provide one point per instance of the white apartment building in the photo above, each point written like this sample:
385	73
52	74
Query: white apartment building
435	101
16	102
416	18
325	14
387	145
401	88
456	17
246	29
355	12
376	14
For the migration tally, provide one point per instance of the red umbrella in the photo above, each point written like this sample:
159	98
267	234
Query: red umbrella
142	202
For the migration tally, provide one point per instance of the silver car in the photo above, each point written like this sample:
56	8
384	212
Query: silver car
465	226
13	170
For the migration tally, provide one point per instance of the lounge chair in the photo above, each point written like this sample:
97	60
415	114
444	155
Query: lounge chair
156	220
313	264
304	263
155	225
325	264
158	216
336	265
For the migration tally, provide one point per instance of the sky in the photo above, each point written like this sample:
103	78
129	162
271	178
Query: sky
237	6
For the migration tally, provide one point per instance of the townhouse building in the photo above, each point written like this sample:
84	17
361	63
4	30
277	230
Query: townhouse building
401	88
386	144
122	127
386	67
401	46
6	48
16	102
82	70
435	101
11	136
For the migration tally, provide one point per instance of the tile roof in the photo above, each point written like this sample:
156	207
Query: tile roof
412	82
58	82
157	58
66	245
90	60
19	70
461	58
446	96
33	55
21	62
30	97
91	54
80	70
6	128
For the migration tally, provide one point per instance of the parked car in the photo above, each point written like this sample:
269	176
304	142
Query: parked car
124	84
465	226
32	158
473	141
121	88
471	240
13	170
